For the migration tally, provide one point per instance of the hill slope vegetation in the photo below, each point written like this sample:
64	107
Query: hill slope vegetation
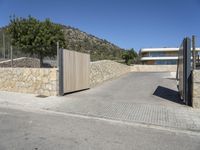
83	42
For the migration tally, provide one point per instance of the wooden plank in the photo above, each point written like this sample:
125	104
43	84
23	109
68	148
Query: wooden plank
75	71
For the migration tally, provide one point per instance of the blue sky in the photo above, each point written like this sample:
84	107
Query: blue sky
126	23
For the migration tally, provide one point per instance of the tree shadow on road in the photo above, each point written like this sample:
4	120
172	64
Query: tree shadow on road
168	94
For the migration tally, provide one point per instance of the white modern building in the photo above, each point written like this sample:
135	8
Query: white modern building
160	56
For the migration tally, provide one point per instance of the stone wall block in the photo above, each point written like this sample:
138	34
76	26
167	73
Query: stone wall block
153	68
101	71
196	76
196	103
22	62
196	88
29	80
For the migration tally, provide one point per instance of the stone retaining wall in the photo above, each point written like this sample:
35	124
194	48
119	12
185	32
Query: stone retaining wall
25	62
29	80
196	88
101	71
153	68
44	81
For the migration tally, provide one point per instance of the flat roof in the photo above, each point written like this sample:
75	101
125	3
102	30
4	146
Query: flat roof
162	49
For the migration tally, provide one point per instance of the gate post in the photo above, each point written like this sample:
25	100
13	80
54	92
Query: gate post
60	69
187	71
193	52
11	56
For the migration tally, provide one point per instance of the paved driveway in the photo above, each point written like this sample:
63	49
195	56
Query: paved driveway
130	90
148	88
148	98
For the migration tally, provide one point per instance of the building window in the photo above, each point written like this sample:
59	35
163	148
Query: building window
159	54
165	62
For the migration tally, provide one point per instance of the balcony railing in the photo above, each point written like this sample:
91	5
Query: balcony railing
159	55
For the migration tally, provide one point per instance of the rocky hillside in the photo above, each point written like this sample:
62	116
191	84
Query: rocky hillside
81	41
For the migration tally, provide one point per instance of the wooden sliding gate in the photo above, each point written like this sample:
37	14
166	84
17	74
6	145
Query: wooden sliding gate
74	69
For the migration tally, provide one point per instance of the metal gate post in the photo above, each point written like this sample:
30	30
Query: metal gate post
193	52
187	71
60	67
11	56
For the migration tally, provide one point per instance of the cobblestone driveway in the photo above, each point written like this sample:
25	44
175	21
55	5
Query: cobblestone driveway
149	98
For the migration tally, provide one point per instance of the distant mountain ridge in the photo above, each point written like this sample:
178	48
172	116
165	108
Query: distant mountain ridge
83	42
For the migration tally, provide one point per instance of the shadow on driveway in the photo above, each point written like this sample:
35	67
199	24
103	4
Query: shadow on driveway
168	94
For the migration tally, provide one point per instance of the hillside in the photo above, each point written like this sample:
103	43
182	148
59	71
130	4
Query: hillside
98	48
81	41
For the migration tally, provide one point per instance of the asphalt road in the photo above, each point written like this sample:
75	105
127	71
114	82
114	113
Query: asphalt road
44	130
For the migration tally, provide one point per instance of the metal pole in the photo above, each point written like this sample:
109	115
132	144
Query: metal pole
60	70
193	53
11	55
60	66
187	71
58	54
4	47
